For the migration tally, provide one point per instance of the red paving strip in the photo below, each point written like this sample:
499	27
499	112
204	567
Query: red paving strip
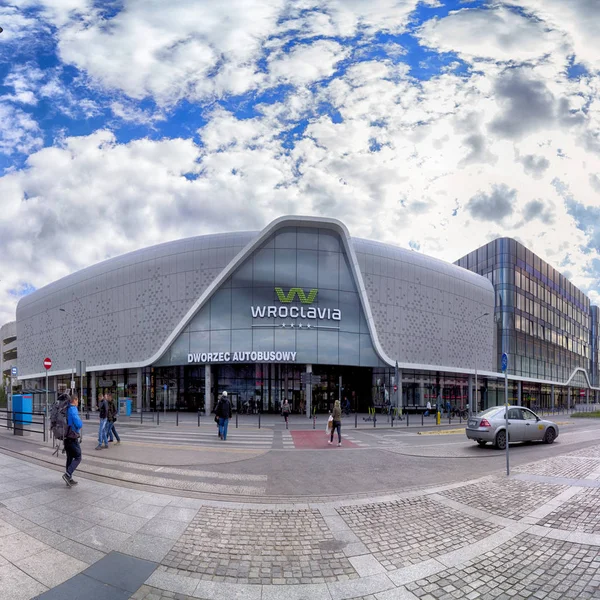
317	440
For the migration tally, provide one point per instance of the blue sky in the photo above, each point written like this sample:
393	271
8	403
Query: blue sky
434	125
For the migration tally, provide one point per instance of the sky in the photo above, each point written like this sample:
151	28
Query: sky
434	125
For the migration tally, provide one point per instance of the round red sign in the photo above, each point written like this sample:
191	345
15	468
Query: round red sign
47	363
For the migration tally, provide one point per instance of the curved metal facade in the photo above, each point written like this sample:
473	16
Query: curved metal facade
129	311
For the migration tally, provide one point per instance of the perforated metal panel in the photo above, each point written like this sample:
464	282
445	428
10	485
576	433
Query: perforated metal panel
123	309
425	309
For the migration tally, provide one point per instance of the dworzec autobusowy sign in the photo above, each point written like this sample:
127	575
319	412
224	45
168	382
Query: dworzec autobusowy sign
226	357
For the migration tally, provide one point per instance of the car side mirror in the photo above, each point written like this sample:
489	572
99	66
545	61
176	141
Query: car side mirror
537	418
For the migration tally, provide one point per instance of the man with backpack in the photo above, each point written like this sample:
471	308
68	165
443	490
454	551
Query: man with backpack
71	442
103	427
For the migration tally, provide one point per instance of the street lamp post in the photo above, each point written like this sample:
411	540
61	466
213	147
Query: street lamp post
471	408
72	345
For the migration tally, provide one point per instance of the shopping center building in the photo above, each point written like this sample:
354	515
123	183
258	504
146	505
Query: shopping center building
174	325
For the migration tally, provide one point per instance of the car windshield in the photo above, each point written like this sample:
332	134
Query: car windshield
490	411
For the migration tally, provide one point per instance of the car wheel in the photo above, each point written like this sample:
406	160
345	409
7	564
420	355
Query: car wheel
550	435
481	443
501	440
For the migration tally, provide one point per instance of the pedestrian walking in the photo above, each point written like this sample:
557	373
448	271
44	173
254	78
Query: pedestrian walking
428	409
285	410
102	428
337	422
223	411
71	442
112	417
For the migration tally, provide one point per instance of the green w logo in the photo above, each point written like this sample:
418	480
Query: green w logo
286	299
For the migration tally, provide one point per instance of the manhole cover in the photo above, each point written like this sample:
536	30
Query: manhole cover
332	545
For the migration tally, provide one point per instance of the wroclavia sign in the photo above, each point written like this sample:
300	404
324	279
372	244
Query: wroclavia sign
295	311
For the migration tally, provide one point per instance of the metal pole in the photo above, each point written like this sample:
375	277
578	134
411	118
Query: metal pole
474	411
177	418
506	417
236	420
46	404
44	423
355	420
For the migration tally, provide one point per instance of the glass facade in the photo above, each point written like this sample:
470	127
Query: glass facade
543	321
296	293
594	346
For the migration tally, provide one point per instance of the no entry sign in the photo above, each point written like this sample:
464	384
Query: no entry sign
47	363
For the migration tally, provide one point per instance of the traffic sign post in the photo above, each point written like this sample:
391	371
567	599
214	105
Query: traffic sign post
309	379
47	366
505	371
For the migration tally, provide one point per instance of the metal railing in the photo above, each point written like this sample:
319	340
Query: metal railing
12	421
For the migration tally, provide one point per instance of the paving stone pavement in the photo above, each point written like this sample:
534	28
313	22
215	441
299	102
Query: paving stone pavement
512	499
260	546
412	530
553	569
580	513
561	466
495	537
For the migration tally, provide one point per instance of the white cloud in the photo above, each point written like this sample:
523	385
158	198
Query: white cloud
494	34
307	63
577	18
173	50
19	131
400	162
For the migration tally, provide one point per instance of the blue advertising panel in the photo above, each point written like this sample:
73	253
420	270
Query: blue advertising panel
22	403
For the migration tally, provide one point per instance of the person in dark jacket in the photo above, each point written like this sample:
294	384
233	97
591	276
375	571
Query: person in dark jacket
223	411
111	418
71	441
102	429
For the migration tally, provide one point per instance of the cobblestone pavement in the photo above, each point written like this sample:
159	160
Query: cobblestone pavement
260	546
580	513
494	537
410	531
553	569
561	466
147	592
593	452
512	499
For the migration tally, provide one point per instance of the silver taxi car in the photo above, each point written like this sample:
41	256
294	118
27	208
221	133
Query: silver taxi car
523	426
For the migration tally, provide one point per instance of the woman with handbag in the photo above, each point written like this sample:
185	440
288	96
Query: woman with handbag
336	422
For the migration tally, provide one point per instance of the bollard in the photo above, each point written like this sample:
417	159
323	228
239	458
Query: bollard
374	419
199	417
177	418
259	420
355	420
449	419
407	419
141	416
421	418
236	420
44	418
392	420
314	421
158	417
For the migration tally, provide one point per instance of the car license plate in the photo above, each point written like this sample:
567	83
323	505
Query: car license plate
472	423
